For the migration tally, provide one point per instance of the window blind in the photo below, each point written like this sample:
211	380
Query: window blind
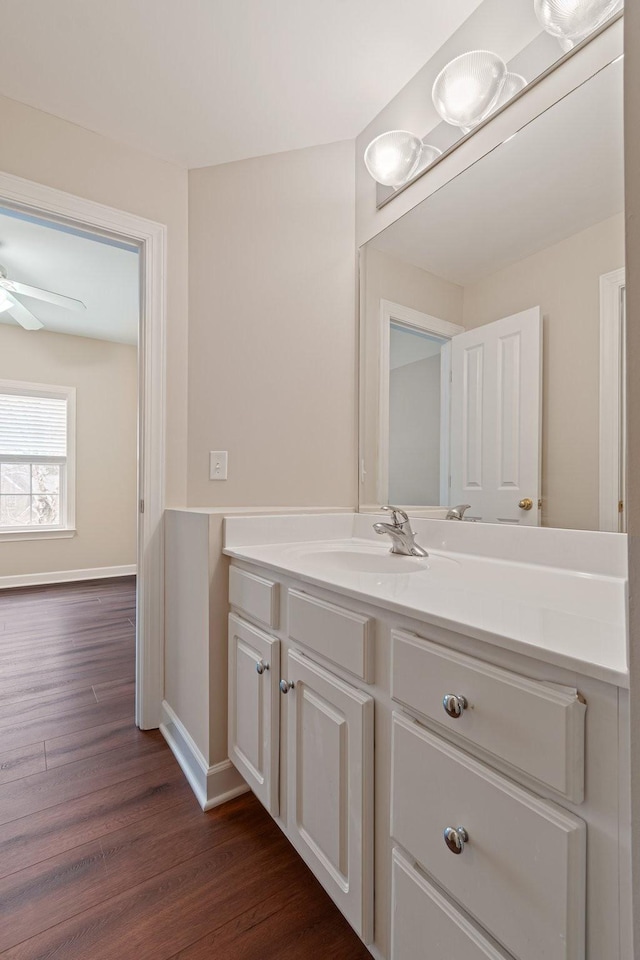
33	426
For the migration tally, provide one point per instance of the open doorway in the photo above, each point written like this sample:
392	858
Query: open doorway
115	230
69	328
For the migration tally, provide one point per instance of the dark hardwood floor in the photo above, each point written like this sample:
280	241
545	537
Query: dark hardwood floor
104	851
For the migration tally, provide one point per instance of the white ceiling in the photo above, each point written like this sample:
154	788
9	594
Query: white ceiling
200	83
104	276
559	175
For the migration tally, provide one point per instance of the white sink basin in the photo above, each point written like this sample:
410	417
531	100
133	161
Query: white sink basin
369	559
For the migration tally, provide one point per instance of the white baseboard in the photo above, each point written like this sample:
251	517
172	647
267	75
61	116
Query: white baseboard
211	785
66	576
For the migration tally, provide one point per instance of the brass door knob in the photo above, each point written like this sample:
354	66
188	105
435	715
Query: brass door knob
526	504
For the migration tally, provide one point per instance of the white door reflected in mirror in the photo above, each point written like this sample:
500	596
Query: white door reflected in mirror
496	403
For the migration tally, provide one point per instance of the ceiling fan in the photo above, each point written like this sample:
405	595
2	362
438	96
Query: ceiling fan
16	309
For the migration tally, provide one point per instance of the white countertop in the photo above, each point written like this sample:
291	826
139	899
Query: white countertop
571	618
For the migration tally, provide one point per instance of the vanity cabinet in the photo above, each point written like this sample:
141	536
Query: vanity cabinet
507	758
322	794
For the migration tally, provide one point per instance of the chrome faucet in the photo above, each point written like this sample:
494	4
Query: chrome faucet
457	513
403	539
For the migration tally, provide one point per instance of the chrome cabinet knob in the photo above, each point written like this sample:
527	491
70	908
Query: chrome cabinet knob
261	666
455	839
285	686
454	704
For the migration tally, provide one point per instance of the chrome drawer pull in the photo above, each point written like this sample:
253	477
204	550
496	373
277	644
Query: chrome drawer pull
261	666
285	686
455	838
454	704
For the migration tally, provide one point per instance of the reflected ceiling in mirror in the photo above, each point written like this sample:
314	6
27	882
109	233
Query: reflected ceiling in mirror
492	325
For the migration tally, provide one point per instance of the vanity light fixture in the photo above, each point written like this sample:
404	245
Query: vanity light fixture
395	156
467	90
570	21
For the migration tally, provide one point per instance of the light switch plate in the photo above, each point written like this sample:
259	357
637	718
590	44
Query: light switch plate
218	465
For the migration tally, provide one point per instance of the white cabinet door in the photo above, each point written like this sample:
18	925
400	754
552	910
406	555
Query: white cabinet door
496	406
330	785
254	709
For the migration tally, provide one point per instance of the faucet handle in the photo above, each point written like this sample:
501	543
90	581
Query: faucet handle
395	513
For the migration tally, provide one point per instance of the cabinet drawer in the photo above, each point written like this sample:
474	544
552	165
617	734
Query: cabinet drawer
343	637
426	926
521	874
255	596
536	727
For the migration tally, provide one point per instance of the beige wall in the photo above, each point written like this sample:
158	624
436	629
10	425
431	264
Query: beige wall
51	151
383	277
272	329
564	281
105	377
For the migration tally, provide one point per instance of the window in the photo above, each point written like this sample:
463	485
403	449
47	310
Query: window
37	427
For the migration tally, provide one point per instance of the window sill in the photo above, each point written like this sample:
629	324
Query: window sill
58	534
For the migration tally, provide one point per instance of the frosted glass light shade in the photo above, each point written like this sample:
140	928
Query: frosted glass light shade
466	90
428	155
513	83
393	157
572	20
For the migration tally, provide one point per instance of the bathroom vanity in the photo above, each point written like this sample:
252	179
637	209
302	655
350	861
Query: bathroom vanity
443	740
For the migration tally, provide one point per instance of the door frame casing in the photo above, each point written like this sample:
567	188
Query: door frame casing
391	312
151	237
611	446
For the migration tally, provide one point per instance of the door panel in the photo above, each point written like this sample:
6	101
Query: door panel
330	785
496	418
254	716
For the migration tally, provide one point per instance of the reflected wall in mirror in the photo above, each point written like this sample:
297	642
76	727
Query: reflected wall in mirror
492	328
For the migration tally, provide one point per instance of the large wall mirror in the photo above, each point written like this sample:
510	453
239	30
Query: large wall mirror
492	331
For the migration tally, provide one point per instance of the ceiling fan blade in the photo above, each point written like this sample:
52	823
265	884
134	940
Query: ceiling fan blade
12	286
23	316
